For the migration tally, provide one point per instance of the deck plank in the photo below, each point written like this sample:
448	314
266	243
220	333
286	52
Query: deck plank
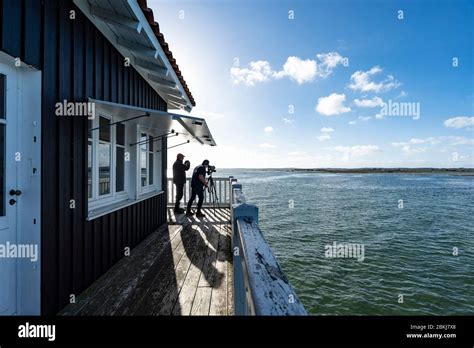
164	288
113	282
182	269
165	302
162	264
219	296
188	291
209	268
121	302
202	301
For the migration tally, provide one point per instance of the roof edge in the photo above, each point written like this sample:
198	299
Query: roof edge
148	12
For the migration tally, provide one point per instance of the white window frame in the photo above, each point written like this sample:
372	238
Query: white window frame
133	191
144	190
124	146
113	197
90	137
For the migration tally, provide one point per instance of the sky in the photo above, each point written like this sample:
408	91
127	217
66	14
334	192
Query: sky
313	84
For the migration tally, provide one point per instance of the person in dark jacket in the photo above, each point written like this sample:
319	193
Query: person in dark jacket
198	184
179	179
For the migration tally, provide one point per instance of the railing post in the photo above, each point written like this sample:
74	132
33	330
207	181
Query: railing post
172	193
188	184
231	190
233	186
168	192
243	304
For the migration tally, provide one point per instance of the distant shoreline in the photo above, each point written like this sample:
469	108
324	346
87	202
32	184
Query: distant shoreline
450	171
421	171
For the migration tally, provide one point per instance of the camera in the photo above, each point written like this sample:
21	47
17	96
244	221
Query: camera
211	169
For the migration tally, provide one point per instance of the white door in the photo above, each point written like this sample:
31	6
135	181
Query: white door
9	191
20	187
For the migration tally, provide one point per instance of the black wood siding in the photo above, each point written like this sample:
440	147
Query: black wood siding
77	62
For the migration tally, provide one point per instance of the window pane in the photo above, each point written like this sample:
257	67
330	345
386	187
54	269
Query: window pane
143	141
104	133
143	168
151	167
150	147
2	170
3	95
120	167
89	169
120	134
89	127
104	169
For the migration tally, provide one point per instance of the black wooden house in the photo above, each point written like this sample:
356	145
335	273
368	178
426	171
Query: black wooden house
85	89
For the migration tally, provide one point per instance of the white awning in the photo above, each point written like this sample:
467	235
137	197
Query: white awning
189	127
124	24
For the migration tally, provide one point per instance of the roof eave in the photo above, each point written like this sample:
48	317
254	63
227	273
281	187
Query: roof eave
156	68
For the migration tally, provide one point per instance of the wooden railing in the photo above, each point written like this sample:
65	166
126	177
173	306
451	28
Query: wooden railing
260	286
221	199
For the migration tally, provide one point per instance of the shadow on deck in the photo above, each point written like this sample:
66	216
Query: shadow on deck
185	268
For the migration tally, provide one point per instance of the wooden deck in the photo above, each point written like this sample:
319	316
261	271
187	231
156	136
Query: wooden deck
185	268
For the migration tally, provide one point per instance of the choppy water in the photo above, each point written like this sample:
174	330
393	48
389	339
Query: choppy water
408	251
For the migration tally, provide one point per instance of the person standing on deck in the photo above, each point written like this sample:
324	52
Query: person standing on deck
198	183
179	179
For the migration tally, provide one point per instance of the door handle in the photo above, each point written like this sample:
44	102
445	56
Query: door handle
15	193
12	201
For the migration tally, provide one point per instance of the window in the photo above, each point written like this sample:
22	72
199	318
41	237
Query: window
106	161
89	159
143	159
120	158
105	156
147	159
150	159
122	165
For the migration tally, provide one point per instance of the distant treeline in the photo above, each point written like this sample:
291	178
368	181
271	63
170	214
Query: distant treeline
460	171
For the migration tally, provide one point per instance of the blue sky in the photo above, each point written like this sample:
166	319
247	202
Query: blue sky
336	63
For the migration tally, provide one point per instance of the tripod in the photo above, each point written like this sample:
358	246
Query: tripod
213	193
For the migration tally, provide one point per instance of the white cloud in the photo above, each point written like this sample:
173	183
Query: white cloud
361	81
297	153
357	150
245	156
295	68
416	145
364	118
328	61
459	122
352	122
327	130
268	129
259	71
407	146
267	146
324	136
416	141
332	105
420	141
287	121
369	103
401	95
325	133
299	70
411	151
460	141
